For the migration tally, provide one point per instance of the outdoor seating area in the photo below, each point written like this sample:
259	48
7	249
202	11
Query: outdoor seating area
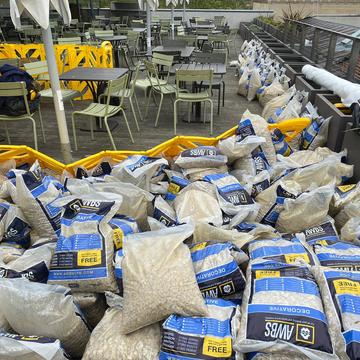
177	80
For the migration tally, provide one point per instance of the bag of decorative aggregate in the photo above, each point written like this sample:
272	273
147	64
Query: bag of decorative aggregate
306	210
13	226
345	194
324	233
107	343
232	197
122	226
85	249
237	146
282	312
281	250
44	310
270	92
201	157
36	194
349	211
197	174
140	170
10	252
20	347
163	212
199	202
282	147
206	338
244	82
283	356
92	305
254	84
177	182
351	231
34	264
159	278
341	297
316	134
217	269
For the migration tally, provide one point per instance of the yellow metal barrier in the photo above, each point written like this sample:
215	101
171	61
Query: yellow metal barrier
169	148
26	155
67	56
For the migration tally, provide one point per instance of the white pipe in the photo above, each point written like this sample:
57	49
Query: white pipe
348	91
184	8
148	25
57	95
172	22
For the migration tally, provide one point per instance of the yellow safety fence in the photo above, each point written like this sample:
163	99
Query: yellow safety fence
170	148
68	56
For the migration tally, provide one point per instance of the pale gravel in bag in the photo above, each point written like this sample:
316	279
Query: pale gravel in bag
351	230
107	342
44	310
159	278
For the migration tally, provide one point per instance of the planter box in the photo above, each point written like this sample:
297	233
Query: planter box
309	86
293	70
325	104
351	143
292	58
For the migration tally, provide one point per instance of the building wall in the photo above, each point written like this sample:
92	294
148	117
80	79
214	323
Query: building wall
310	7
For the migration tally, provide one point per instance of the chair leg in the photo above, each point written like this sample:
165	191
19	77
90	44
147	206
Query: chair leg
137	105
92	128
134	113
7	134
74	131
42	125
219	101
159	109
204	120
109	133
211	116
223	93
175	116
147	104
35	134
189	108
127	125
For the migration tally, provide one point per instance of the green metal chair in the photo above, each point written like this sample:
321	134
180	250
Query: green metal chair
105	111
69	40
129	93
194	76
2	36
219	41
10	61
101	33
40	71
164	63
157	87
132	42
19	89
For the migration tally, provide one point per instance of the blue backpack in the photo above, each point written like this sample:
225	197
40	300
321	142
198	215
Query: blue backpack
15	105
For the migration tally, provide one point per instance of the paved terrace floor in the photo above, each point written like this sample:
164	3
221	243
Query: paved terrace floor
148	137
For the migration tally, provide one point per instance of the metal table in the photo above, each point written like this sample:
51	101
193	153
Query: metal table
218	69
95	79
186	51
116	41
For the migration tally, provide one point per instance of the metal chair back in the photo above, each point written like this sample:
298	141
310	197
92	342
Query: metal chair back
100	33
15	89
10	61
114	87
69	40
152	73
36	68
194	76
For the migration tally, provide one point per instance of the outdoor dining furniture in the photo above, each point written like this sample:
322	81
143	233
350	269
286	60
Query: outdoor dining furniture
116	42
96	79
185	51
105	111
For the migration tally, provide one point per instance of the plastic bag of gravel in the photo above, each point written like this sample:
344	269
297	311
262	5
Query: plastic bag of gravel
44	310
340	255
21	347
177	182
92	305
36	194
10	252
201	157
34	264
140	170
344	194
283	356
280	250
340	291
270	92
13	225
282	147
306	210
217	269
107	343
254	84
122	226
244	82
324	233
159	278
135	201
351	231
199	202
204	338
233	198
85	249
235	147
163	212
282	312
197	174
349	211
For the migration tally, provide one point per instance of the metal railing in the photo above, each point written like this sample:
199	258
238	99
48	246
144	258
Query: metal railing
335	51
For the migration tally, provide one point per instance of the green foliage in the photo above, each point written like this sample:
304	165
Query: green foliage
291	14
214	4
